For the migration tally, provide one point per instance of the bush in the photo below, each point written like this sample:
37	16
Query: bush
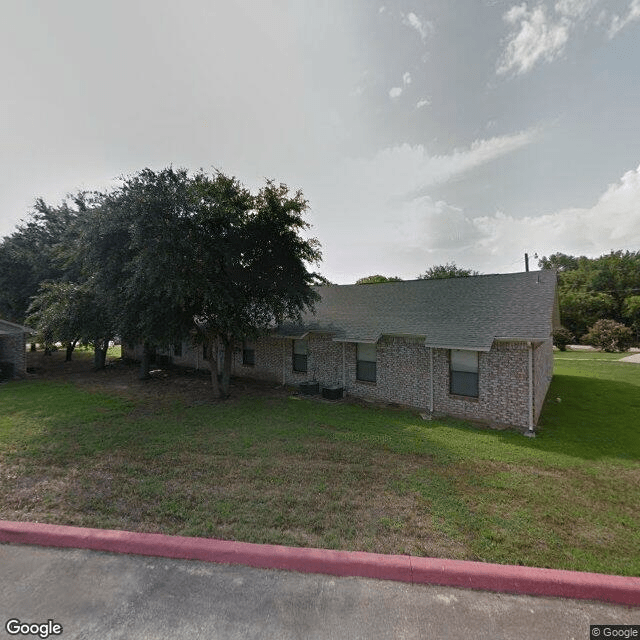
562	337
609	335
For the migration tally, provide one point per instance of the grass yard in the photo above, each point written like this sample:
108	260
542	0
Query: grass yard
284	470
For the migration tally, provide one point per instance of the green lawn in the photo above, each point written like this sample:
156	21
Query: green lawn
301	472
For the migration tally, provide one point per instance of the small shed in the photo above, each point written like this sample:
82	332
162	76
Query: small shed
13	339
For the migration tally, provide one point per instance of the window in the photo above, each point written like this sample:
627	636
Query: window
300	349
248	353
464	373
366	362
177	349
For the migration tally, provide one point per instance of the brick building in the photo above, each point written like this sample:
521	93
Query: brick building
478	347
13	338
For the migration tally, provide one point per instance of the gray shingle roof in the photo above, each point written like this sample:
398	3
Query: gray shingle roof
10	328
465	313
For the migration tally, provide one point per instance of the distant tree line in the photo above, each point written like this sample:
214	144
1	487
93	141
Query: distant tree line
599	298
163	256
448	270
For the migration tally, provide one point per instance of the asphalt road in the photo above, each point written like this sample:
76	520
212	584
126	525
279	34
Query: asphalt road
105	596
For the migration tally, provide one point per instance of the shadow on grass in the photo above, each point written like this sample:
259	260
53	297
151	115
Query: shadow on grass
584	418
594	418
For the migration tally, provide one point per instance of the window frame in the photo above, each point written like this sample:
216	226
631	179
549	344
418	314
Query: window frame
300	361
364	367
463	379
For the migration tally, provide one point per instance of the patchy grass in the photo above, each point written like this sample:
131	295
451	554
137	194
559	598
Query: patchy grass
302	472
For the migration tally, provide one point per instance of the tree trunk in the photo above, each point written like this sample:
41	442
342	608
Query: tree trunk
100	353
71	345
33	346
145	363
212	356
226	368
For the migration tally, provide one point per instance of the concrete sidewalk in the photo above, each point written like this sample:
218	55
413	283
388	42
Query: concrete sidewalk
100	595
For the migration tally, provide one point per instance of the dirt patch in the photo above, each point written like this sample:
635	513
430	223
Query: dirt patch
121	378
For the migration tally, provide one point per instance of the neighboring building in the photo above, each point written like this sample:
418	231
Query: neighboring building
478	347
13	339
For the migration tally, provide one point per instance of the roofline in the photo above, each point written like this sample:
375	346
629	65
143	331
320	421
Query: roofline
480	275
297	336
356	339
456	347
22	328
520	339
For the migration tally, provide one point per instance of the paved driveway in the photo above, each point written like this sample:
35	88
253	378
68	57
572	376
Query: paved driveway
98	595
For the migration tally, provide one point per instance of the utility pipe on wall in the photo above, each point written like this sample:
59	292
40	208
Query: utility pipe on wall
430	379
530	344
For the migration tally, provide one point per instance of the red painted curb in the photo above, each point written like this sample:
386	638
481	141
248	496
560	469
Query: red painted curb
454	573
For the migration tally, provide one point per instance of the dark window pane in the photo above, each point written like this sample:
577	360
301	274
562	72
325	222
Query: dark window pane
464	383
299	362
248	356
366	371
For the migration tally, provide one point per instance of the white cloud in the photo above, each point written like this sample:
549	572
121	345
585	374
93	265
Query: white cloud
536	37
611	223
432	226
423	27
540	33
402	170
390	224
574	8
396	92
383	209
618	23
425	102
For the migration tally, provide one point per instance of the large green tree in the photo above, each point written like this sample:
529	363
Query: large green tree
38	251
581	308
68	312
252	264
592	289
138	252
181	253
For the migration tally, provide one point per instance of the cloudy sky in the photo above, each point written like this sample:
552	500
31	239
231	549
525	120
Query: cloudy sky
421	132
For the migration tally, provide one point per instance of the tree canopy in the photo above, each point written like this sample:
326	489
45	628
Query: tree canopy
36	252
593	289
448	270
164	256
376	279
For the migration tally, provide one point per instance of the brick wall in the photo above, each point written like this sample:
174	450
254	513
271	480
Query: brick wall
542	374
503	386
13	349
402	374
